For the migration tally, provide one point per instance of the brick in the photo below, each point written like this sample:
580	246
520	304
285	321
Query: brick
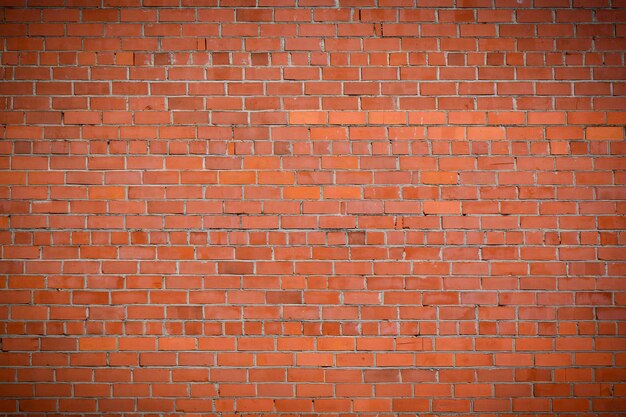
311	206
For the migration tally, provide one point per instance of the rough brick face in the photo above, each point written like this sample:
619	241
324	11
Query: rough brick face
332	207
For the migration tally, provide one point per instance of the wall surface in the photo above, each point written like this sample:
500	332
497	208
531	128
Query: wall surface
323	207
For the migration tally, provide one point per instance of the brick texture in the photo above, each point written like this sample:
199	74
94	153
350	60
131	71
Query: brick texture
324	207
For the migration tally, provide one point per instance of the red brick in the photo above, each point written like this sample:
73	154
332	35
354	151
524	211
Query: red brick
363	165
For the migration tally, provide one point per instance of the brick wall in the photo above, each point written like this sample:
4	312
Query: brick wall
319	206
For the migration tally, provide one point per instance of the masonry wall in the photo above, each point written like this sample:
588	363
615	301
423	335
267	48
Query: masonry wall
323	207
